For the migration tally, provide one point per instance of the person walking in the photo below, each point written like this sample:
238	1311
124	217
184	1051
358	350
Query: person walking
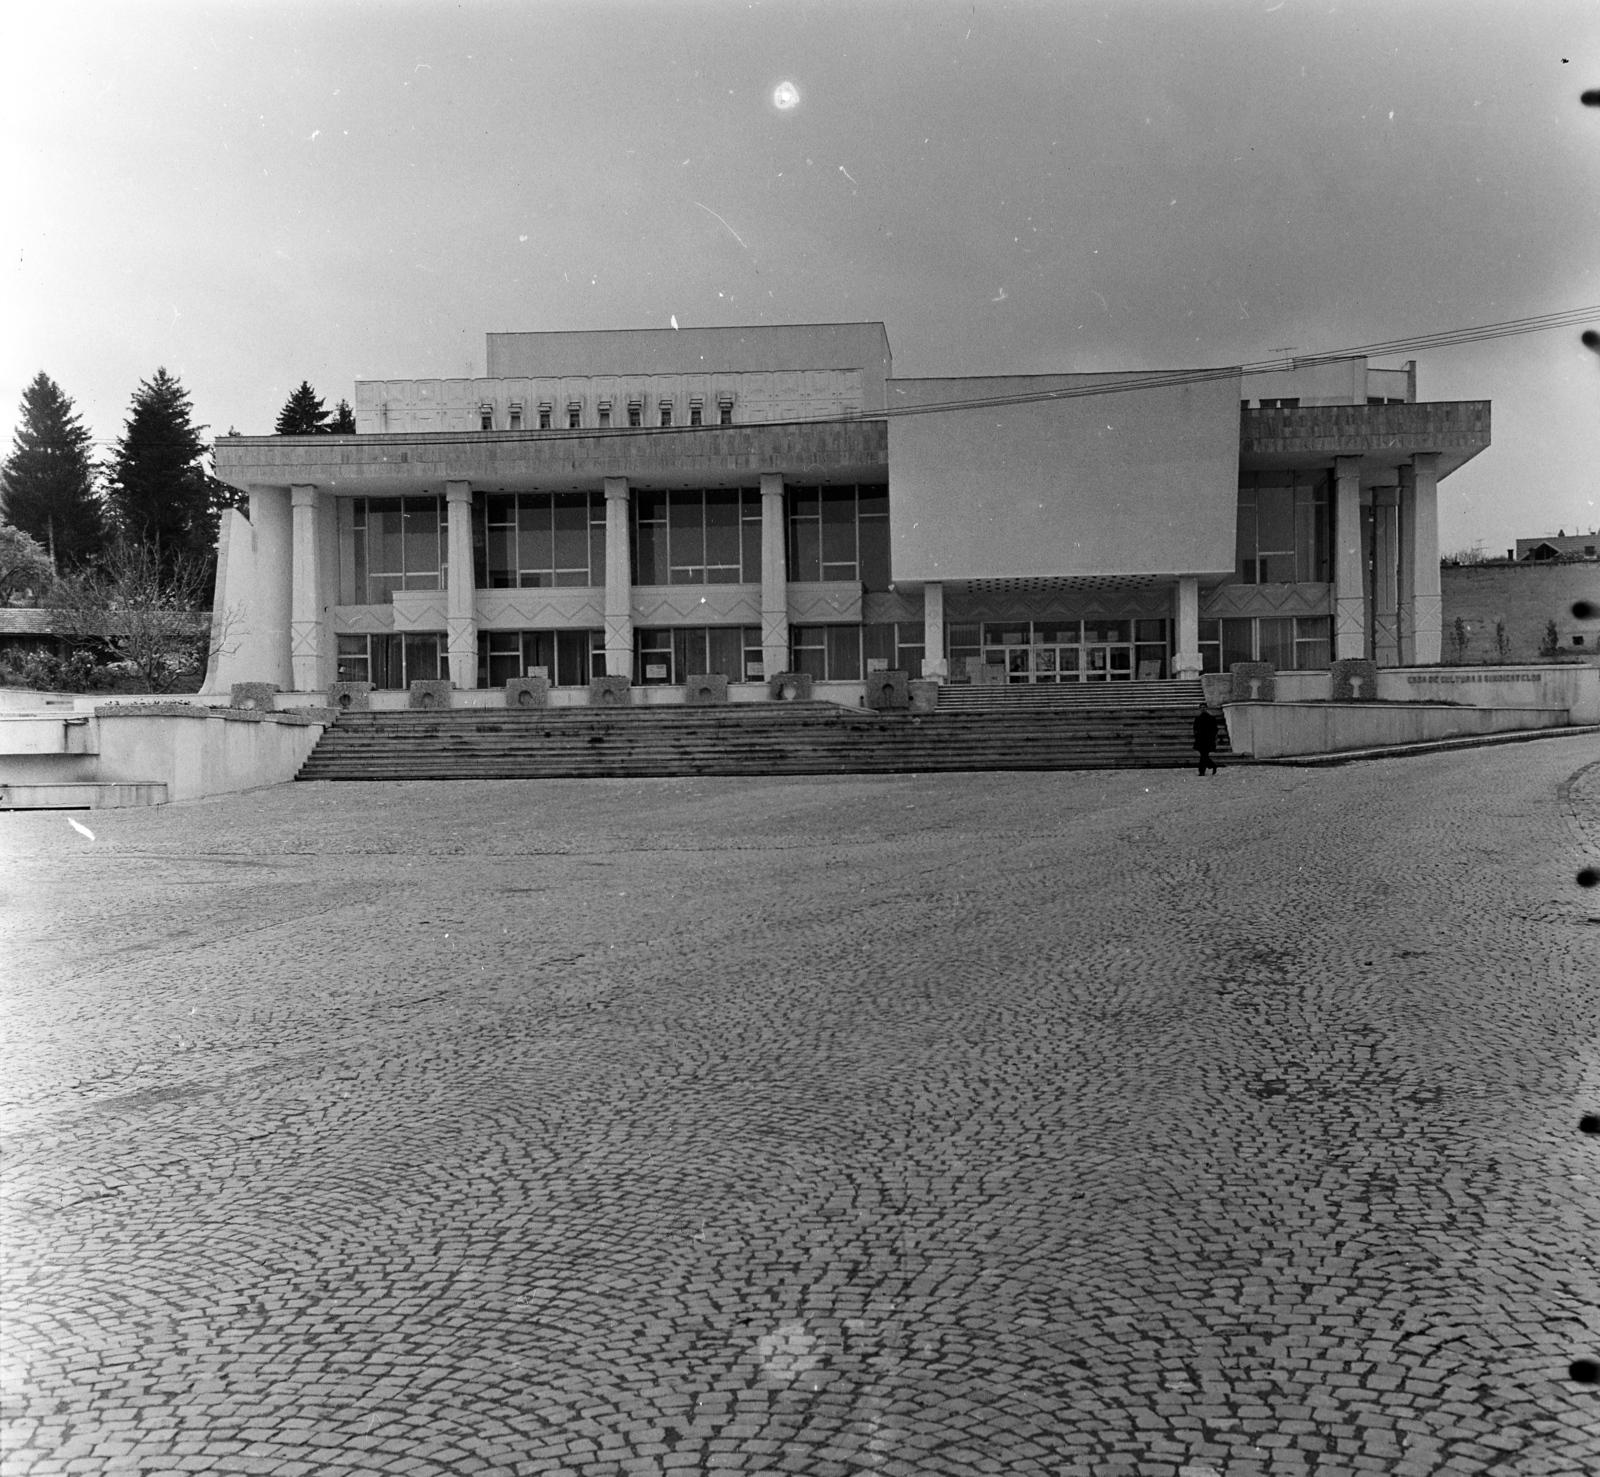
1205	737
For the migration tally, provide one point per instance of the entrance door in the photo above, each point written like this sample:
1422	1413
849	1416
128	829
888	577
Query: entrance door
1107	651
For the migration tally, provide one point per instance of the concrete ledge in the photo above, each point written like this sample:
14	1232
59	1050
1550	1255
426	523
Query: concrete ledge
81	797
1436	746
1275	730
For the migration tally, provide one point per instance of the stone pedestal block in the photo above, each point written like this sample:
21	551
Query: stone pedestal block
528	692
924	696
706	690
1355	680
610	691
790	687
350	697
261	696
1253	682
888	692
434	694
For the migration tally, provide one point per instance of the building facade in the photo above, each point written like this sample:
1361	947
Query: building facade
657	504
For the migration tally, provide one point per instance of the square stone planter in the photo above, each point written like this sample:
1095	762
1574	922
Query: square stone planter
528	692
435	694
924	695
1253	682
350	697
1355	680
790	687
888	692
610	692
260	696
706	690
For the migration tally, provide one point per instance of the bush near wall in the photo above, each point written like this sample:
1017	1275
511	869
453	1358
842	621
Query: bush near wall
1503	610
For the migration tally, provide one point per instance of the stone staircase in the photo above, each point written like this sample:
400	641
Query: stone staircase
754	739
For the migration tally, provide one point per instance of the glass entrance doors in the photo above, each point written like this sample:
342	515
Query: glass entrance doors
1072	651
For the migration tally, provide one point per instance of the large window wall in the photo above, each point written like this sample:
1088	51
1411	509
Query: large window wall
846	653
399	543
1059	650
671	654
839	533
392	661
709	536
566	658
1299	643
539	540
1282	528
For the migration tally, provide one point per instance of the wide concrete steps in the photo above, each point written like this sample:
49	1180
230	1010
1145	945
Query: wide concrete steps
817	739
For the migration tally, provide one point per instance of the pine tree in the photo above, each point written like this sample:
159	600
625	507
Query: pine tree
344	420
47	483
159	489
302	413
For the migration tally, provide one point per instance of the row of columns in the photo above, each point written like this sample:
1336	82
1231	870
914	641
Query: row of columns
1404	597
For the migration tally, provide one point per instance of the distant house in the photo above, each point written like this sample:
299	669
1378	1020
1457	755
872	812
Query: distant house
1560	546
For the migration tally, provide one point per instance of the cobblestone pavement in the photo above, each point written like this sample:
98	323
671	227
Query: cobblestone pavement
1123	1123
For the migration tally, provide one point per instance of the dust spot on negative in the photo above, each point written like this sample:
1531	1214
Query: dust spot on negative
1584	1371
1590	339
1589	1123
1583	610
1591	98
1588	877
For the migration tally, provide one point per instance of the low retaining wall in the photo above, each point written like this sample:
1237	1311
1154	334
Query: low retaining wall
1278	730
197	752
1573	687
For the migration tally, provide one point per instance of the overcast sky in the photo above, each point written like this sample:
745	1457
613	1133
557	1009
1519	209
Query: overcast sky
252	195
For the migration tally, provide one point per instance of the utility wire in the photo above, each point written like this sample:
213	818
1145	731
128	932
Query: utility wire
1114	382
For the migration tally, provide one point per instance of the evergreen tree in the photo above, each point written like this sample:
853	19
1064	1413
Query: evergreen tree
302	413
344	420
47	483
160	491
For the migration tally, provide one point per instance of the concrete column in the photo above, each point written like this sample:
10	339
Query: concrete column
1421	609
305	602
1349	601
774	577
619	580
461	617
1186	661
933	658
1385	565
266	598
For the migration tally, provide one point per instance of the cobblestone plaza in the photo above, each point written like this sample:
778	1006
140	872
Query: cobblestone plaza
1068	1123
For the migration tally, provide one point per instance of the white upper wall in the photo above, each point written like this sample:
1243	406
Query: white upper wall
1343	382
1135	481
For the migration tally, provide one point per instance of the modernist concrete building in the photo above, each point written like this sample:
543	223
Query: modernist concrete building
656	504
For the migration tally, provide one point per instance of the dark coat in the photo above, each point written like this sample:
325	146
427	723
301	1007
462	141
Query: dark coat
1205	732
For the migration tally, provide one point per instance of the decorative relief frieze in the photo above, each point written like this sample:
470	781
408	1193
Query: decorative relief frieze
362	620
1064	604
824	602
1268	600
696	605
580	607
420	610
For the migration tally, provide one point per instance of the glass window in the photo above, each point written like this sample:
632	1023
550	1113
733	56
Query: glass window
399	544
809	650
805	533
910	637
636	415
1311	643
878	647
653	662
666	415
725	415
1275	641
353	665
1238	641
844	653
725	652
1155	630
839	533
574	417
1210	646
1096	631
723	552
499	657
535	541
688	652
963	648
687	532
605	417
750	534
650	538
1311	530
1056	633
571	541
544	417
694	415
500	541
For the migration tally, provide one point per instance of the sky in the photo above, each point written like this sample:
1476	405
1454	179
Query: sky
252	195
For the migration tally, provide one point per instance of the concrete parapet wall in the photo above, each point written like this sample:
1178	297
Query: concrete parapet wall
1575	688
1277	730
200	752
